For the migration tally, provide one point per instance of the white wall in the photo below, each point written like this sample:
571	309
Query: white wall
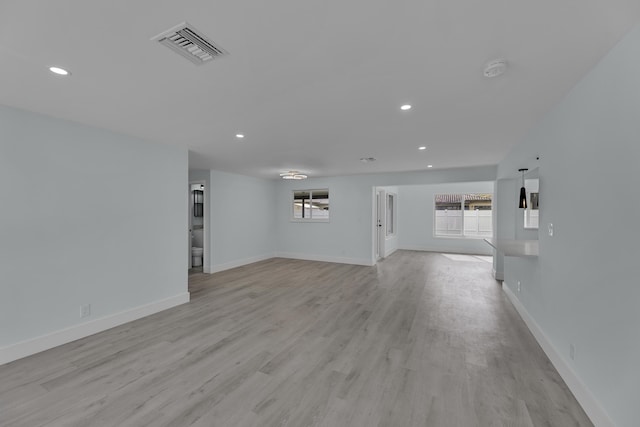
416	211
242	220
583	289
73	232
348	236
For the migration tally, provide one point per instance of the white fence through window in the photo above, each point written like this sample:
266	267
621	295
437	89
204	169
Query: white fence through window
476	223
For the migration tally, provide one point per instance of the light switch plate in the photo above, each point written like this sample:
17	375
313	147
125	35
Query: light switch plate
550	229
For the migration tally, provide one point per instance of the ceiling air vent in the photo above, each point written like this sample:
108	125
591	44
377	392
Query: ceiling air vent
188	42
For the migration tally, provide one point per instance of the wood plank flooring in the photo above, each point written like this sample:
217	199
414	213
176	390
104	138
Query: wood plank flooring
422	339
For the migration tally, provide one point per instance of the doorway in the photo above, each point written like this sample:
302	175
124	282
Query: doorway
197	228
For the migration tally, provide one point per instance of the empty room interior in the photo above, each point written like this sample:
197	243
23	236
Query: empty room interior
294	213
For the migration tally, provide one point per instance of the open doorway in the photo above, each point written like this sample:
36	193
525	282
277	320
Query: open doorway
197	234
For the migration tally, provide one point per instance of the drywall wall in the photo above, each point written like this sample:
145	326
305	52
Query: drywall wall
416	217
242	220
72	231
584	290
348	236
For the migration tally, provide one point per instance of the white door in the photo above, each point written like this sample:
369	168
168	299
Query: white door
380	211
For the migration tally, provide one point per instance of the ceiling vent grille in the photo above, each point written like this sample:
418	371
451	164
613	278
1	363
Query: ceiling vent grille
191	44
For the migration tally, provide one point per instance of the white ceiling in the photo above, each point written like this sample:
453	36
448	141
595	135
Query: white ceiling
314	85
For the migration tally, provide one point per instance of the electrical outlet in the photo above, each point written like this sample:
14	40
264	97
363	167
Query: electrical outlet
572	352
519	287
85	310
551	229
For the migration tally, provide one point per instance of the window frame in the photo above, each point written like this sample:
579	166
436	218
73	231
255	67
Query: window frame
310	191
462	235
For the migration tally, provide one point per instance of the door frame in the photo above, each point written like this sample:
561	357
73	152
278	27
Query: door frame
379	237
205	226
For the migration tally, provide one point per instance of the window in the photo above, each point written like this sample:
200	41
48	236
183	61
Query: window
463	215
391	229
311	205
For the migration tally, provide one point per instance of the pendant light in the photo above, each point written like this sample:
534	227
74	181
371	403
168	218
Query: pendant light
523	193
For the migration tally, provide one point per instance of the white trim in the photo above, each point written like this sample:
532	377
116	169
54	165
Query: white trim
238	263
583	395
498	275
72	333
445	250
324	258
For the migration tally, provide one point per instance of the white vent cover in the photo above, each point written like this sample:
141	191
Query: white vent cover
188	42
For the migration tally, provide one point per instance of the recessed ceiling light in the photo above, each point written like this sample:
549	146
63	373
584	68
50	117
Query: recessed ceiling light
239	135
58	70
429	166
405	107
422	148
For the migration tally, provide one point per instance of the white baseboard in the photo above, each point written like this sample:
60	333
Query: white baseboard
590	404
446	250
239	263
324	258
498	275
390	252
72	333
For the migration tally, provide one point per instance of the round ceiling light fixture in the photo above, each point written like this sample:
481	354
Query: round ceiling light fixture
495	68
293	175
405	107
422	148
59	71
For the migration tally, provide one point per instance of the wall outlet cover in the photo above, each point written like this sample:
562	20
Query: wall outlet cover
85	310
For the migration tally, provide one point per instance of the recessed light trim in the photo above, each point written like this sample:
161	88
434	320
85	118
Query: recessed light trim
59	71
367	159
405	107
293	175
495	68
422	148
429	166
239	135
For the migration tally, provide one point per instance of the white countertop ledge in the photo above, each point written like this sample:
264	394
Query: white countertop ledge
516	248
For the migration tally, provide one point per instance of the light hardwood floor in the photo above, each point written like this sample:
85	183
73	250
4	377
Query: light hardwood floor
422	339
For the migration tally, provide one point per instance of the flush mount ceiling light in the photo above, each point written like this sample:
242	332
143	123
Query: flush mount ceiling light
293	175
59	71
422	148
367	159
405	107
495	68
239	135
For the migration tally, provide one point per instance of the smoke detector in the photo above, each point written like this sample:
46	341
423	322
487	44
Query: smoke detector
188	42
495	68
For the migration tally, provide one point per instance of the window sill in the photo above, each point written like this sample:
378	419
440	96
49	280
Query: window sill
309	220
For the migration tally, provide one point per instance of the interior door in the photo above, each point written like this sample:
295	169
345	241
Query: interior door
380	210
